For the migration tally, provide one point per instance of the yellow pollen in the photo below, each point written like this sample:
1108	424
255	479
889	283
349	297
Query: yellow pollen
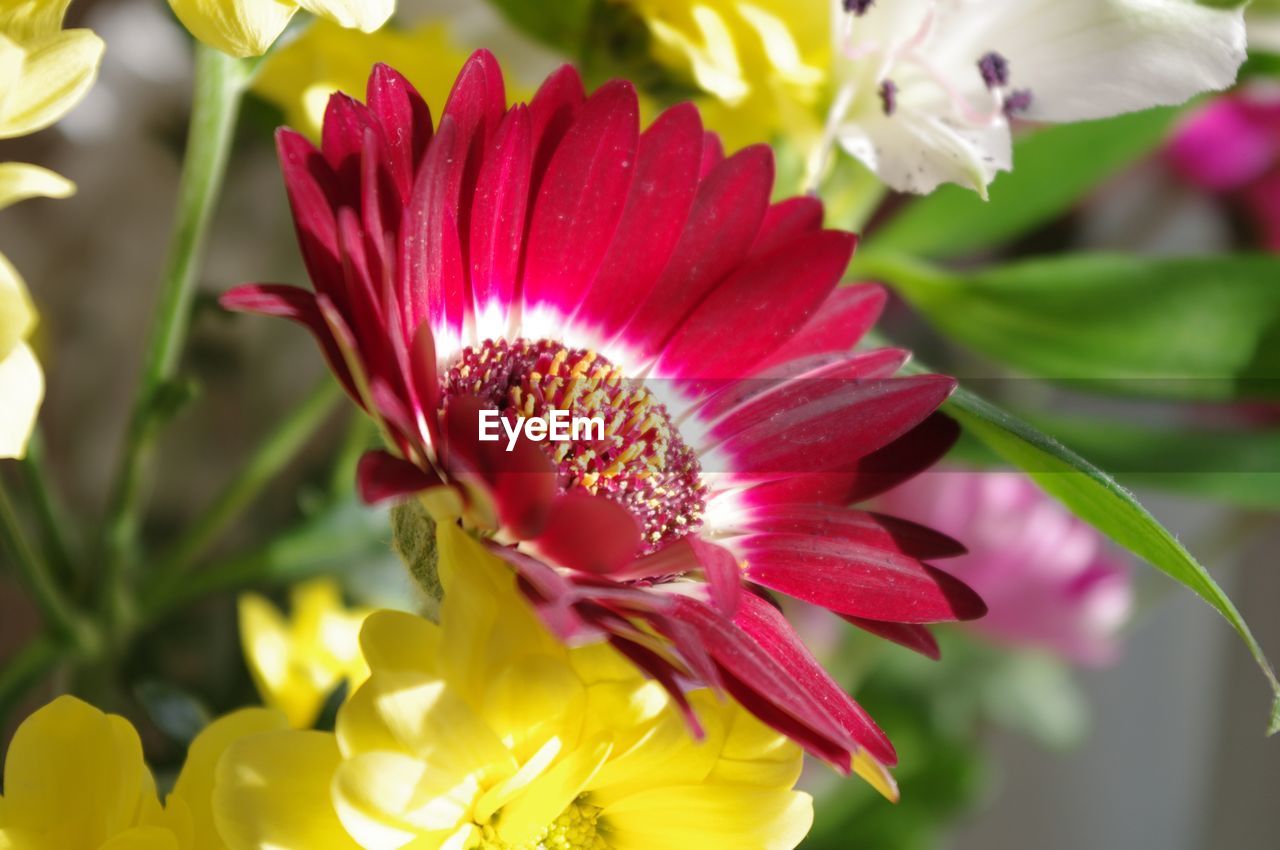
575	829
639	461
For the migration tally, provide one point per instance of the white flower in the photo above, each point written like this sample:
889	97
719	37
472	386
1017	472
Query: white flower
925	88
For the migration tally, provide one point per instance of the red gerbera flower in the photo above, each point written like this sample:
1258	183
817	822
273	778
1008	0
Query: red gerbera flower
554	257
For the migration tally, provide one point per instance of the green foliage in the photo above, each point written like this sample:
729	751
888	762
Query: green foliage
1232	466
1096	498
561	25
1195	328
1055	167
936	714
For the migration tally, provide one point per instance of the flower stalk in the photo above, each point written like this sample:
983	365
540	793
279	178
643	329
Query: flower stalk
220	83
34	571
54	530
275	453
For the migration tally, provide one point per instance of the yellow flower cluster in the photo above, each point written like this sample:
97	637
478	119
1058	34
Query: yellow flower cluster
483	733
765	66
297	663
486	732
75	779
44	71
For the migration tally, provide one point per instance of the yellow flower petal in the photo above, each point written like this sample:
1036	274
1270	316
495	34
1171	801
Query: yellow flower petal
695	817
11	58
488	621
238	27
535	696
876	775
143	838
754	754
20	181
17	315
196	781
75	776
297	663
365	15
394	640
765	64
28	20
56	73
428	719
280	679
551	793
385	799
272	790
21	379
21	391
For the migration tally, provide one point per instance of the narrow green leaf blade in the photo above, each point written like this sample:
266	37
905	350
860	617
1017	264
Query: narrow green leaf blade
1192	328
1055	167
1096	498
1232	466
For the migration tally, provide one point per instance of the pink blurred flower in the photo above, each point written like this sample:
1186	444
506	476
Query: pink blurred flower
1231	147
1049	580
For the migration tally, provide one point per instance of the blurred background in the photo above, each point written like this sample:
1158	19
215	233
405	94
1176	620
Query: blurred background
1161	747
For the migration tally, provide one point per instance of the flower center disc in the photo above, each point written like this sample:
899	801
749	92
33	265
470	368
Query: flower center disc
575	829
640	462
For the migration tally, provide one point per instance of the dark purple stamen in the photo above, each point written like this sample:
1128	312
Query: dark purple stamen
994	69
889	96
1017	102
858	7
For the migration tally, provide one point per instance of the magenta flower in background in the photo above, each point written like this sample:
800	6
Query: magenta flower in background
1231	147
1049	580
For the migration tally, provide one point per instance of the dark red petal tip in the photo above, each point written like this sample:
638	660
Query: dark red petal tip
381	476
911	635
589	533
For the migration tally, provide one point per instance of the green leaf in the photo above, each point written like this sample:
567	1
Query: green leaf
1053	169
1195	328
562	24
1238	467
1096	498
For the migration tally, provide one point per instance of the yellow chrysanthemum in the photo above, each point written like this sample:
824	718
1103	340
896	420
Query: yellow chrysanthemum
485	732
298	662
75	778
300	77
44	69
765	64
21	381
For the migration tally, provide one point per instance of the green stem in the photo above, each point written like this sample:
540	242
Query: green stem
316	545
265	464
36	577
48	512
219	88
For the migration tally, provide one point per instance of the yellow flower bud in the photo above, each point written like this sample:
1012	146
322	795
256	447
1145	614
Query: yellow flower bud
249	27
